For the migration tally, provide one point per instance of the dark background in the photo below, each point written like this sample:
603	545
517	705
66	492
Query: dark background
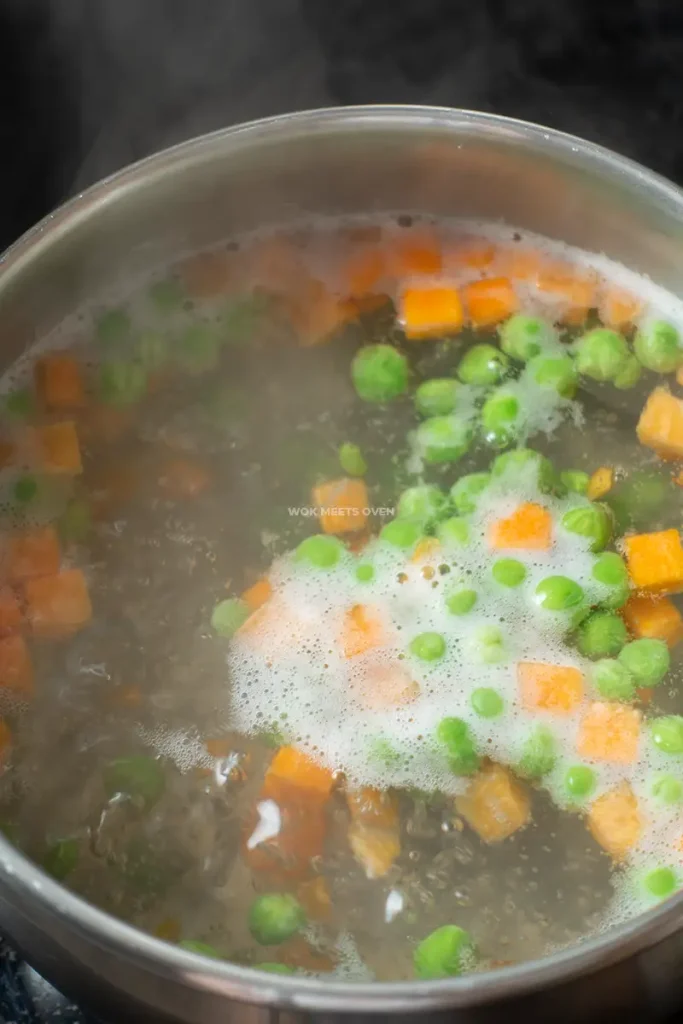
88	85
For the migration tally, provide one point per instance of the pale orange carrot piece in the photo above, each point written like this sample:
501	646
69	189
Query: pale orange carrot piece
362	629
170	929
426	550
645	694
342	505
655	561
299	772
495	805
58	449
208	274
183	478
609	732
276	263
257	594
660	426
300	955
16	668
314	897
11	617
286	856
618	308
57	605
386	686
417	252
365	271
474	254
377	807
316	313
575	288
429	312
219	746
489	301
362	305
615	821
375	849
555	688
60	382
33	553
519	264
656	618
529	528
600	483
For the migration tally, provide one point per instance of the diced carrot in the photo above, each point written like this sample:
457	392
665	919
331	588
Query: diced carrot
363	304
364	271
600	483
618	308
57	605
341	505
575	288
300	775
10	612
655	561
375	849
287	855
16	669
377	807
33	552
429	312
5	739
656	618
170	929
316	313
474	254
385	685
8	453
529	528
300	955
183	478
362	629
645	694
417	252
495	805
314	897
609	732
208	274
555	688
277	263
520	264
257	594
220	746
426	550
59	382
490	301
660	426
678	479
58	449
615	821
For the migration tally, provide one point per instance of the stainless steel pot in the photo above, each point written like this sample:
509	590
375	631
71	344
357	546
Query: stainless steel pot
370	159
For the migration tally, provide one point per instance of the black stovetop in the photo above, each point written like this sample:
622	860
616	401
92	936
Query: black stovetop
90	85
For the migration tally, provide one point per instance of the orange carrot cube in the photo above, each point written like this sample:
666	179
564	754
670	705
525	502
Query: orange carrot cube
417	252
615	821
16	668
576	289
655	561
474	254
363	629
520	264
314	897
660	426
11	617
257	595
386	685
365	270
555	688
600	483
495	805
375	849
376	807
429	312
342	505
529	528
57	605
220	746
426	550
60	382
59	450
490	301
299	775
657	618
618	308
33	553
610	732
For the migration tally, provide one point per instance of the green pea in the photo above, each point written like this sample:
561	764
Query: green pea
511	464
167	295
25	489
383	752
446	952
554	373
321	551
443	438
500	416
200	948
509	572
61	858
379	373
601	354
628	375
152	350
466	491
135	776
197	350
20	403
612	680
365	572
113	326
428	646
437	397
401	533
274	968
592	521
522	337
122	383
602	635
483	365
647	660
658	347
422	504
454	532
228	615
575	480
454	735
487	702
668	789
559	593
539	754
275	917
461	601
610	569
667	733
579	781
490	645
351	460
660	883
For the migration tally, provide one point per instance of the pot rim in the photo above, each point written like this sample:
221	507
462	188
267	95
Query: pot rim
232	981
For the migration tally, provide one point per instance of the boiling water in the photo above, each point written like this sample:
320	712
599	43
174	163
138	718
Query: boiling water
259	422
